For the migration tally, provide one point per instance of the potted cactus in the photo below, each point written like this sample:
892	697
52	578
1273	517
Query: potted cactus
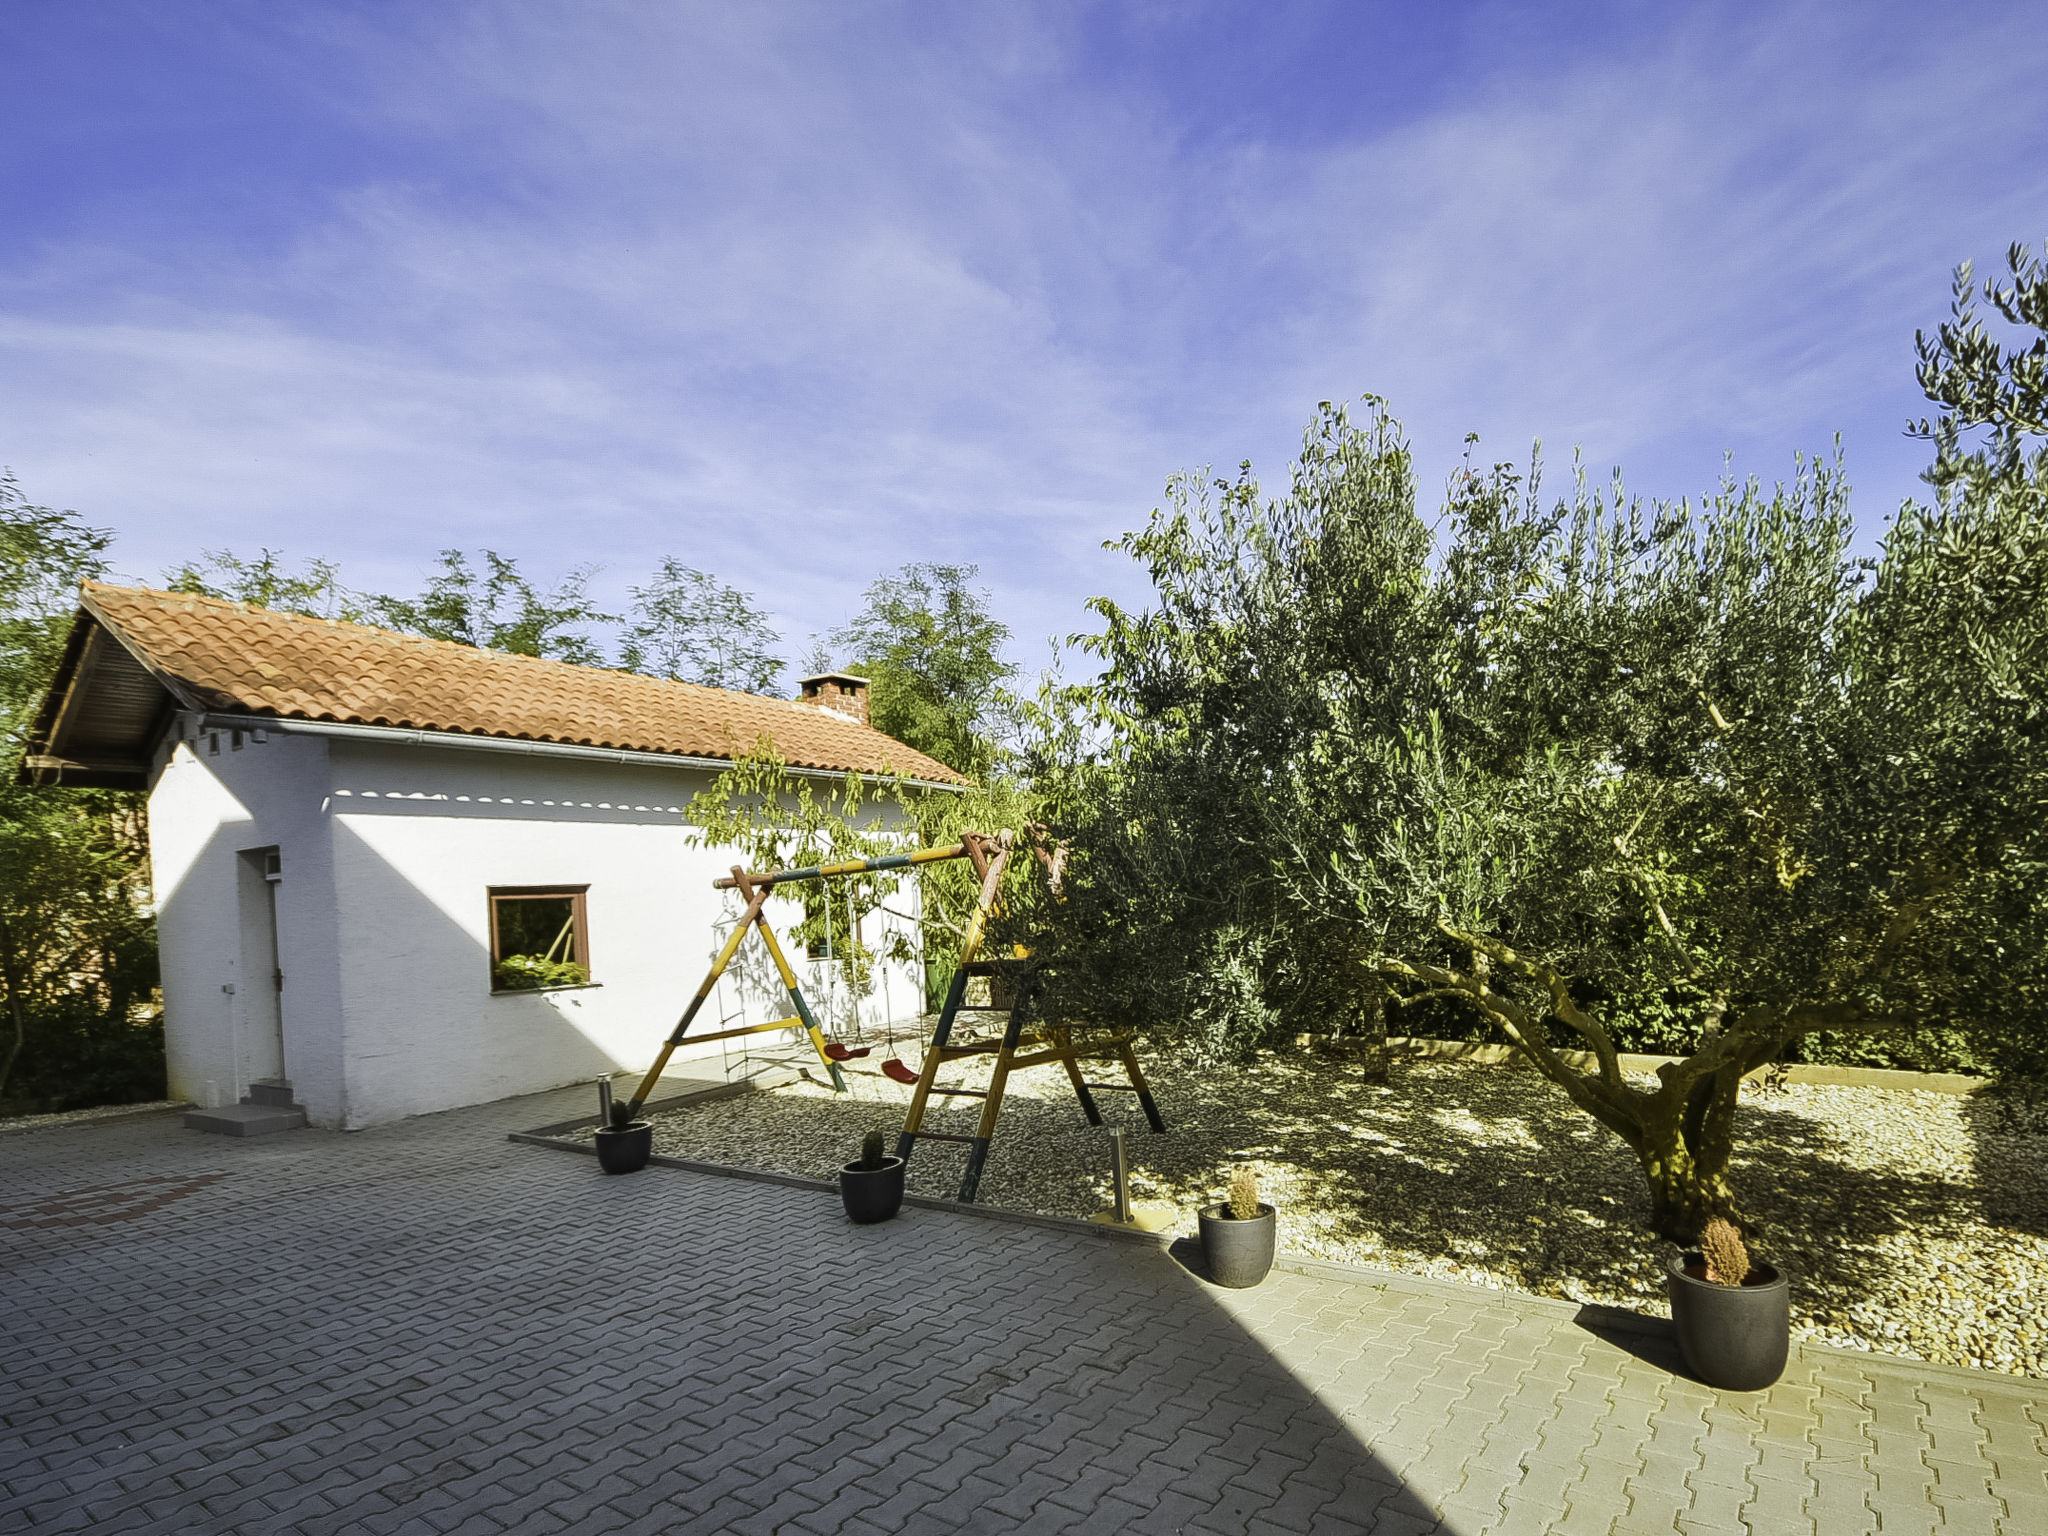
625	1145
1732	1314
872	1189
1238	1235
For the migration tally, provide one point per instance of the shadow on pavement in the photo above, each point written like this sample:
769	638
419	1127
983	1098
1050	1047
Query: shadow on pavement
1649	1339
1187	1253
424	1325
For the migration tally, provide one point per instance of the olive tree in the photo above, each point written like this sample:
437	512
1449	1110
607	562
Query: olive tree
1603	771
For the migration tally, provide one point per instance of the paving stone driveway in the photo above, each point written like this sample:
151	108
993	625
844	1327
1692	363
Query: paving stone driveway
427	1328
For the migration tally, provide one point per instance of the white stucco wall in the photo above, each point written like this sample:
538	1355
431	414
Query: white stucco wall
204	812
384	923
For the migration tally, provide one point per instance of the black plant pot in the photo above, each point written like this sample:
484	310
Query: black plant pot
872	1194
1238	1253
625	1149
1733	1336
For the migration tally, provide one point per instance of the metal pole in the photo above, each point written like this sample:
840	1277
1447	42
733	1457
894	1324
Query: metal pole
1121	1171
604	1098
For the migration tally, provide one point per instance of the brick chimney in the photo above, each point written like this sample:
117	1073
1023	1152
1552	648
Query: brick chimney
836	693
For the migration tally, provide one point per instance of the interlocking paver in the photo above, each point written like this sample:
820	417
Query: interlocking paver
424	1328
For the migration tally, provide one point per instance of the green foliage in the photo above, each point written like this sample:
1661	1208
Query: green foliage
693	628
314	591
79	1022
932	654
1979	383
1175	912
780	820
96	1036
519	973
499	609
1597	770
44	555
684	625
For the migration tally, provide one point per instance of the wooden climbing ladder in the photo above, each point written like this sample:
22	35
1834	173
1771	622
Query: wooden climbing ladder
1015	986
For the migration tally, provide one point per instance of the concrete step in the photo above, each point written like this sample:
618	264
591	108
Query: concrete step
246	1119
274	1091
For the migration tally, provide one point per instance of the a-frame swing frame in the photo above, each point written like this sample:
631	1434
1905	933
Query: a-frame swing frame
757	888
1042	1042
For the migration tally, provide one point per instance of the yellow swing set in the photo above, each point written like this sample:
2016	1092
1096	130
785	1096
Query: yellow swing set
1015	986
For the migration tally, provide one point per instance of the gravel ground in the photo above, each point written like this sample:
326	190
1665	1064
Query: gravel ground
1913	1223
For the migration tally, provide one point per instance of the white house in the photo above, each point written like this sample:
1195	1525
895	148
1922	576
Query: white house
353	830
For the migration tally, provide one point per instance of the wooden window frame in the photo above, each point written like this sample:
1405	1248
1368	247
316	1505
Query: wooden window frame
576	895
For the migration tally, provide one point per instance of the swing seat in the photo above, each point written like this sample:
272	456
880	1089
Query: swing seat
839	1052
894	1067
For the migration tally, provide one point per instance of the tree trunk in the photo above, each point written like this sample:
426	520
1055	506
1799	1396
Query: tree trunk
1378	1066
1685	1150
1683	1134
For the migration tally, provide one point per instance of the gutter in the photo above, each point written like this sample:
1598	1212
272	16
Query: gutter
392	736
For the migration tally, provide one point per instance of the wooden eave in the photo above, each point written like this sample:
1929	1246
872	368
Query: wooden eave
105	711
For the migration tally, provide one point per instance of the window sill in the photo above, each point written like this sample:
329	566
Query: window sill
580	986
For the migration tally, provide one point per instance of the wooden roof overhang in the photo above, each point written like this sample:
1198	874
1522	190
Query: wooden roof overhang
106	710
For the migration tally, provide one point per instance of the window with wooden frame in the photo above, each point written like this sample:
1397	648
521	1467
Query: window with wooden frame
540	937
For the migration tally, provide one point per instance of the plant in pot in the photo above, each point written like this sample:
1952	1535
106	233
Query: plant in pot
625	1145
872	1189
1237	1235
1732	1314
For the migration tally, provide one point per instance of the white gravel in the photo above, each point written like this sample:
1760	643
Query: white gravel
1913	1223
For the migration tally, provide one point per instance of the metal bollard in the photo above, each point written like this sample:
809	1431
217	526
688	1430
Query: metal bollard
1121	1171
604	1098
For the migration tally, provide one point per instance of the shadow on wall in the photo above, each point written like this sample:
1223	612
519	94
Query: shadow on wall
387	950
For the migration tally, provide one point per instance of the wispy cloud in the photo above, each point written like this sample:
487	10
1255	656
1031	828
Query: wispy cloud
803	293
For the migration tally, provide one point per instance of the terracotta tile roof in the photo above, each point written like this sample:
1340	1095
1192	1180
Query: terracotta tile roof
236	658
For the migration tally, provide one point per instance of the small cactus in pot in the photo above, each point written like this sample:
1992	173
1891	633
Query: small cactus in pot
1731	1313
872	1187
1239	1233
1244	1195
625	1144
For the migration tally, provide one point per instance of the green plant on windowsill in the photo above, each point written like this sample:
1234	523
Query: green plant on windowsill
530	973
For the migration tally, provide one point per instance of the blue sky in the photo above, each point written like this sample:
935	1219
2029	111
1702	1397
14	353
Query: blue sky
799	293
